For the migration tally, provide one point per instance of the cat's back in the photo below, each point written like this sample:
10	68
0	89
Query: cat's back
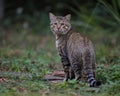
76	39
78	43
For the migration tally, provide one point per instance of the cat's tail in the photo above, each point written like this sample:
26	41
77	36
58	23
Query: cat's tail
91	80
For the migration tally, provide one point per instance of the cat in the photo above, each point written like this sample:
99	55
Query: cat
76	51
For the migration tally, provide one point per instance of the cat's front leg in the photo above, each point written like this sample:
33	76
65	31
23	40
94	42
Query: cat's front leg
66	67
66	74
71	73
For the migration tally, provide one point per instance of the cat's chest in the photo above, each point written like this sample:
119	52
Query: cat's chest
60	41
60	44
57	43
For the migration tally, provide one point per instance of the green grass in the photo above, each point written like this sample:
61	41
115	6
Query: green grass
25	57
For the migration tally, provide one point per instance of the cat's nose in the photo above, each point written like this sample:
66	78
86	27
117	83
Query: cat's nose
58	26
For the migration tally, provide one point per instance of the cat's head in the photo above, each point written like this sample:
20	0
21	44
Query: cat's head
60	25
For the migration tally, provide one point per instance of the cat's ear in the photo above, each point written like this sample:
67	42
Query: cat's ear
68	17
52	16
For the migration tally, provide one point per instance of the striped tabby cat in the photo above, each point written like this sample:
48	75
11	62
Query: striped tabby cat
76	51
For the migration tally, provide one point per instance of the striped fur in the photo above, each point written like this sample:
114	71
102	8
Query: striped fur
76	51
91	80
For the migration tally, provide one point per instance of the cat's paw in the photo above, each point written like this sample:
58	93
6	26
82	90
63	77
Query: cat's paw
65	79
77	77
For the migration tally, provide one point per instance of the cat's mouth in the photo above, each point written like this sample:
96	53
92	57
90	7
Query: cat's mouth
61	33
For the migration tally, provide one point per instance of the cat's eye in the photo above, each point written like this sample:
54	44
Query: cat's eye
55	23
62	23
65	27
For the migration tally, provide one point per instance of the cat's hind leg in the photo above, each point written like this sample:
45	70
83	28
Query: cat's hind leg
77	69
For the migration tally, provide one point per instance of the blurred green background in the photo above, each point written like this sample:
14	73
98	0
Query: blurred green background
27	46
